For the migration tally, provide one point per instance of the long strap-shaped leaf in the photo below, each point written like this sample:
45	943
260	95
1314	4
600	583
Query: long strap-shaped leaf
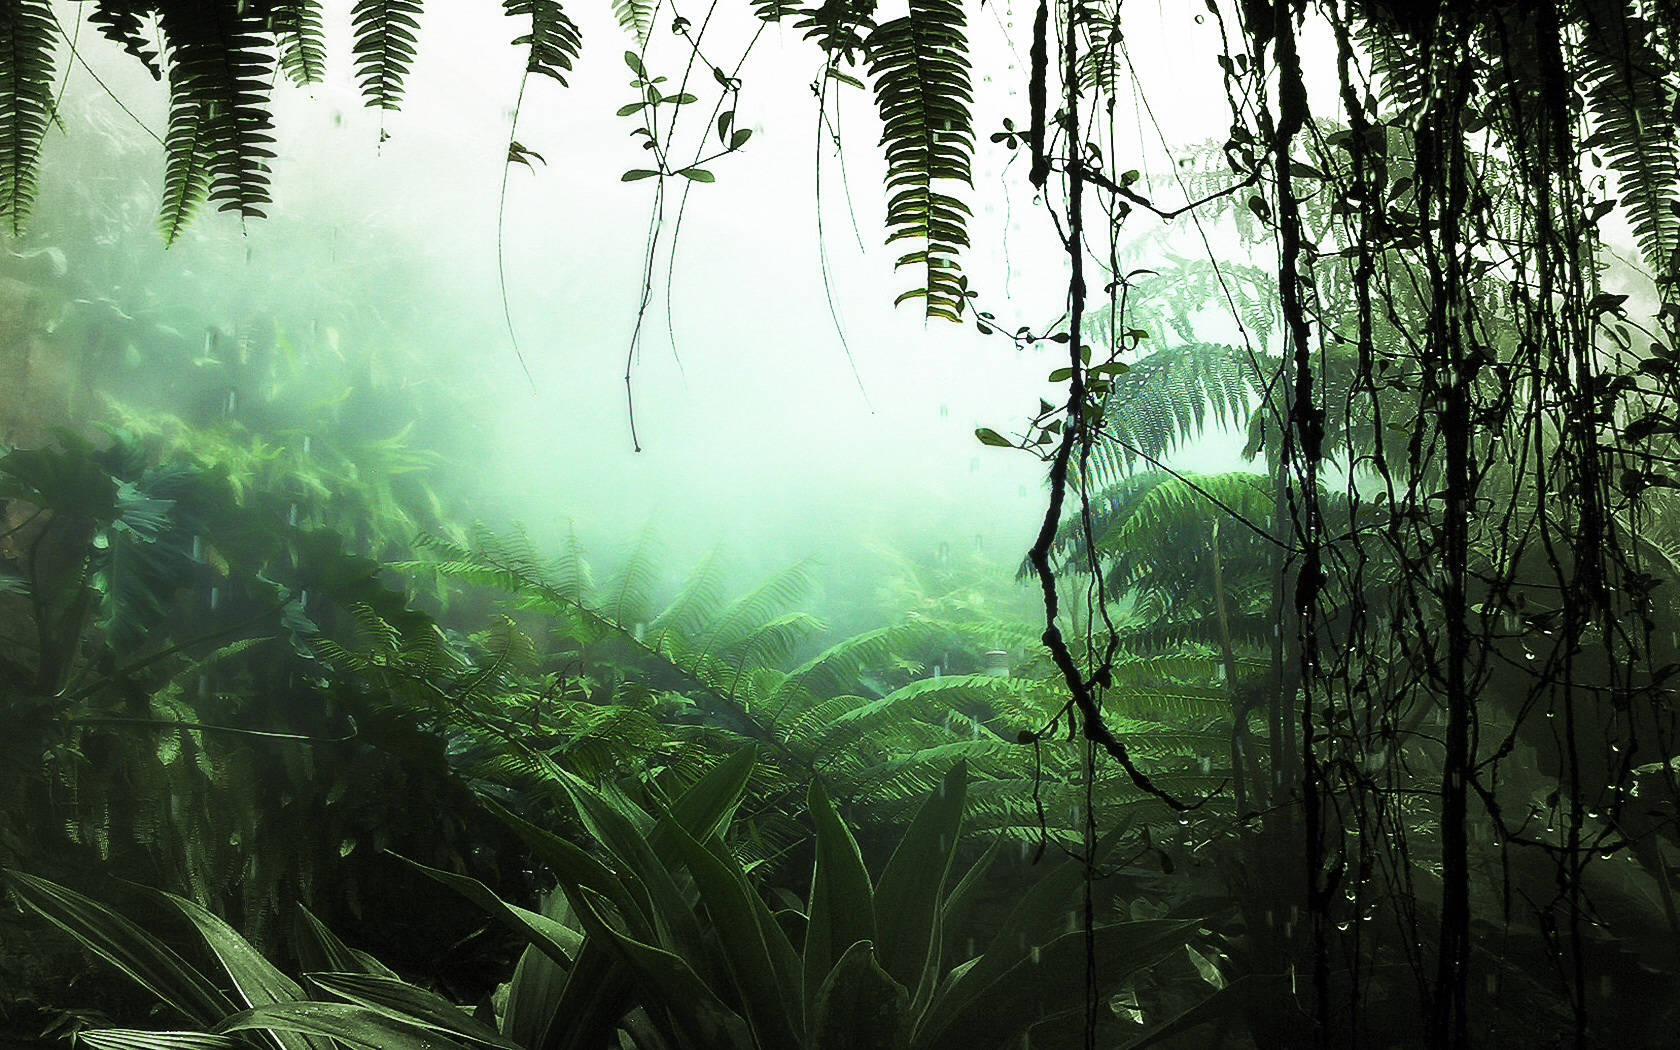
148	961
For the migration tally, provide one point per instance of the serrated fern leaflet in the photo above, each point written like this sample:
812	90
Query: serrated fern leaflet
920	66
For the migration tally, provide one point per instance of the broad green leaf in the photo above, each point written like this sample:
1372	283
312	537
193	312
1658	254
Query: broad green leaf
842	899
637	174
356	1026
954	913
860	1007
912	888
256	980
988	436
1248	991
739	139
740	921
320	950
624	830
634	61
401	1001
1040	909
558	942
709	806
148	961
700	1016
135	1039
571	865
533	999
697	175
631	107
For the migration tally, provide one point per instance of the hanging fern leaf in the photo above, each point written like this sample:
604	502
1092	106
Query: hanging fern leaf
838	26
920	67
220	70
385	48
27	36
774	10
636	16
554	40
122	23
296	25
1631	99
186	173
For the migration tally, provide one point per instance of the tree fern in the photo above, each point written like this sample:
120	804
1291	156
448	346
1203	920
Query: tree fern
28	35
920	65
1168	398
554	41
384	48
296	25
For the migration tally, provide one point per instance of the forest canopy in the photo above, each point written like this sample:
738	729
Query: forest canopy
1408	675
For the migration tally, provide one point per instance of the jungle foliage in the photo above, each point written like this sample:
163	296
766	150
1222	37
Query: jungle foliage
1385	722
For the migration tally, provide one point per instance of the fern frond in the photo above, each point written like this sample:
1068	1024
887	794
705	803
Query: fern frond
120	22
219	136
296	25
838	27
631	589
1631	95
554	41
920	65
27	37
774	10
384	48
636	17
572	576
747	617
696	604
1169	398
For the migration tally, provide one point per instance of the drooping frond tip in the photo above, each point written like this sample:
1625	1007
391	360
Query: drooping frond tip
385	48
296	25
920	67
554	41
217	148
27	36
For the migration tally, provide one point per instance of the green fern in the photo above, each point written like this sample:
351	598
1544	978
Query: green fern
385	47
920	65
1168	398
554	41
296	25
123	23
636	18
28	35
1631	95
219	129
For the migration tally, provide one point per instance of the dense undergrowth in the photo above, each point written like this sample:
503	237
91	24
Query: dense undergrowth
1366	740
